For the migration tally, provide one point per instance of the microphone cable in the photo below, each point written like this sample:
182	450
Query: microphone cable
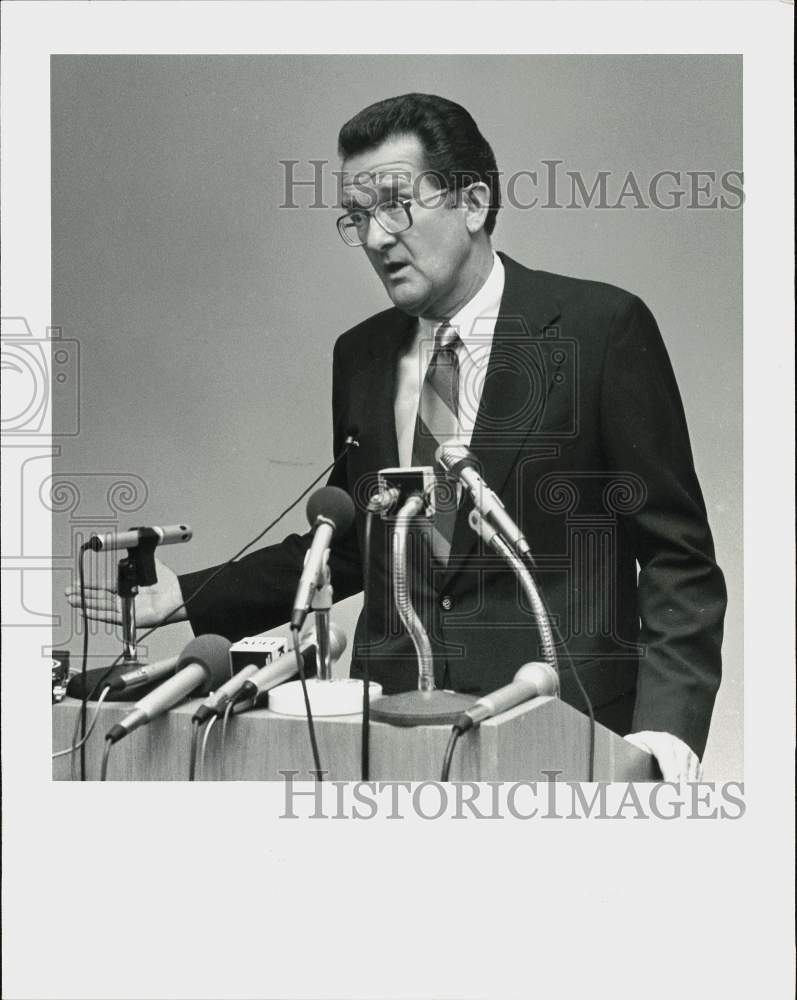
530	565
365	741
106	752
350	442
84	548
223	741
302	680
75	735
202	752
195	724
456	732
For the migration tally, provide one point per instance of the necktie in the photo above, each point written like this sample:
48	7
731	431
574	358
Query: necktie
437	421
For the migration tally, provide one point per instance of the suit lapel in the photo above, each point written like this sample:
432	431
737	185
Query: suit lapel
517	389
375	391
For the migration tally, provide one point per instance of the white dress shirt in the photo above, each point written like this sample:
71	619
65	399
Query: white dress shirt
475	324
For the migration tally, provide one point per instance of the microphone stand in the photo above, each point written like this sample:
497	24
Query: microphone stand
127	588
495	541
327	695
426	706
322	604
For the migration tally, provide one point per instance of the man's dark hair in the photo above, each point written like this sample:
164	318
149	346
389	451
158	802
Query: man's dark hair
455	149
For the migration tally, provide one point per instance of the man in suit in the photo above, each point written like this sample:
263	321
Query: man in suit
564	392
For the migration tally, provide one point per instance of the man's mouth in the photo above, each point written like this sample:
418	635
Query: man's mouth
393	268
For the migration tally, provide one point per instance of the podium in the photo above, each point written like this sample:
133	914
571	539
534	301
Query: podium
526	743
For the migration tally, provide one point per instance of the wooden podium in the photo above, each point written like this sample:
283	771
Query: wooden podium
542	735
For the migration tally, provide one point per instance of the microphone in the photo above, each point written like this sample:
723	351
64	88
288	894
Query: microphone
144	674
169	535
330	511
531	681
203	664
284	667
219	700
458	461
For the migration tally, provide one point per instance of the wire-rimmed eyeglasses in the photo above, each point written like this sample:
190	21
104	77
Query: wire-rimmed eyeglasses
392	215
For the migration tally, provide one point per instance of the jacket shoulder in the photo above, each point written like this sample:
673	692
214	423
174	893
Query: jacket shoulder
571	293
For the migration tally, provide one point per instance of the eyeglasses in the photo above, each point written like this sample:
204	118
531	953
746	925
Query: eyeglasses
393	216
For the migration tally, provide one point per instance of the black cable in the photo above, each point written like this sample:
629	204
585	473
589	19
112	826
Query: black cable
104	770
365	763
530	565
223	748
456	732
254	541
310	726
192	749
84	699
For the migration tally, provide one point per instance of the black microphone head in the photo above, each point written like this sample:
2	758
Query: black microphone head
333	504
452	457
213	653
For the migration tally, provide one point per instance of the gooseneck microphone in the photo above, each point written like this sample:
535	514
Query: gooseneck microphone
113	540
459	462
330	512
203	666
531	681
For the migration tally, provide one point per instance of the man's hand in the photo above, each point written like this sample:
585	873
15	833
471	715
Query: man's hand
153	603
676	761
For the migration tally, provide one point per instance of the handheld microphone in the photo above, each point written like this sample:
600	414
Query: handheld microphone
284	667
458	461
219	700
330	511
169	535
144	674
531	681
203	664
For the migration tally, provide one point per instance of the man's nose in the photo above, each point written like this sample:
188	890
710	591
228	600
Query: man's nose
377	238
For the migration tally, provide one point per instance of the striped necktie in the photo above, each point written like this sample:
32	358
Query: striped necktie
437	421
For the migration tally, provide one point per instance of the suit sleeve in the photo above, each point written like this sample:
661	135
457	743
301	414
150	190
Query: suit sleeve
681	590
256	592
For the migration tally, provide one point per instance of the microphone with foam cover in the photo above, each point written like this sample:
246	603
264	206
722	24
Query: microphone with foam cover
330	512
203	666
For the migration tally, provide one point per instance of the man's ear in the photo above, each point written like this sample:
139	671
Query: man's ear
475	199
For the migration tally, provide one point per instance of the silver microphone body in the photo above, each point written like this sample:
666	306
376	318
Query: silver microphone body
217	702
144	674
204	664
314	564
457	460
164	697
284	667
531	681
170	534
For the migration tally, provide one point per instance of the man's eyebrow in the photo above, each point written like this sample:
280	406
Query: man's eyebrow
371	196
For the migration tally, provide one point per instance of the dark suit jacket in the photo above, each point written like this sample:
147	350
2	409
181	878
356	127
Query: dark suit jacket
582	433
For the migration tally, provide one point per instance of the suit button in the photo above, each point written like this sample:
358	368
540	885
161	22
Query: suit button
446	603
